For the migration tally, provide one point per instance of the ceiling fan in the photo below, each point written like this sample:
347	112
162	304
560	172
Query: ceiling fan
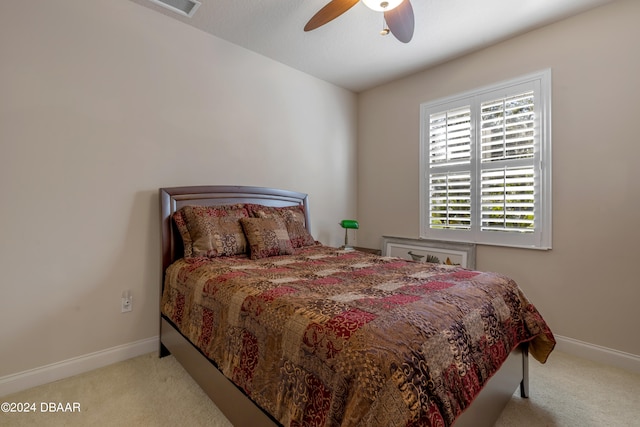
398	14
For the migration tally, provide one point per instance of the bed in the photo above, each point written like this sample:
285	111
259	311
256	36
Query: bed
279	329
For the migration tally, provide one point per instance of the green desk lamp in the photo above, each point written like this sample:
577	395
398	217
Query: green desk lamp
348	224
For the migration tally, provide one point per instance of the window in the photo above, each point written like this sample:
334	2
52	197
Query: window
486	165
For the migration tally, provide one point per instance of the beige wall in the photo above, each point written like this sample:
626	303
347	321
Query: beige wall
101	103
587	286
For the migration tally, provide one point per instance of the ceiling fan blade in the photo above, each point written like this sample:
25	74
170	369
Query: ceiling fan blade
400	21
330	12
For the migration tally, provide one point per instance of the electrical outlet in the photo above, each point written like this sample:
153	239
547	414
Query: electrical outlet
127	301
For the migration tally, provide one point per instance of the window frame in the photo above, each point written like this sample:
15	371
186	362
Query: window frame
541	237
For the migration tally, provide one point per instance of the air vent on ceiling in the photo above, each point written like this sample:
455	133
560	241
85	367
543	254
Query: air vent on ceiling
183	7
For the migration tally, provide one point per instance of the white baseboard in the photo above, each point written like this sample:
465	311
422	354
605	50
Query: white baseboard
77	365
596	353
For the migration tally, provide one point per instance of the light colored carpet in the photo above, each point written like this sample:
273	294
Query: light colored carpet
570	391
143	391
148	391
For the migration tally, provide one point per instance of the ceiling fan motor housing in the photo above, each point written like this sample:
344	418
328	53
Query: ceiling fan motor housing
399	20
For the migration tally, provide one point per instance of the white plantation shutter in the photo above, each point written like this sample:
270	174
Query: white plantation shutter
508	128
450	137
450	151
507	199
486	165
450	194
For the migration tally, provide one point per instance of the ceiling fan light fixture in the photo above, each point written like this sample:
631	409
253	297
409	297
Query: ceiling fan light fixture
382	5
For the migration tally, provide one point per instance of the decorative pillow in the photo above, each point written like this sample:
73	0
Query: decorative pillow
181	224
215	230
299	235
267	237
293	217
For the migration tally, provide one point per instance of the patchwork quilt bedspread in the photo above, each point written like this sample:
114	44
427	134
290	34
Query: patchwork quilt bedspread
331	338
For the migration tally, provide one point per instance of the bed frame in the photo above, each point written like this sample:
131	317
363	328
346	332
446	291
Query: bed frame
233	403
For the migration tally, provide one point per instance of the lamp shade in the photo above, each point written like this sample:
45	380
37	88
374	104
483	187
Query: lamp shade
381	5
349	223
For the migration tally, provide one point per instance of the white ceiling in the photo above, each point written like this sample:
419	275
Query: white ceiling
349	51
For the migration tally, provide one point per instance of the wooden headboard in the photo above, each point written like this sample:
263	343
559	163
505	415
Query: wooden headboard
174	198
